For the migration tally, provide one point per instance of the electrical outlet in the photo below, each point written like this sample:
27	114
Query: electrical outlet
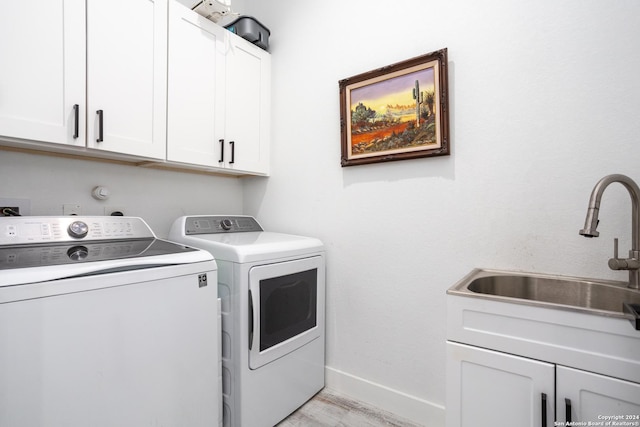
20	206
71	209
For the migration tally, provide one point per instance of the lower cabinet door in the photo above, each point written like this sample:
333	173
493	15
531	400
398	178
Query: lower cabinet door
488	388
584	397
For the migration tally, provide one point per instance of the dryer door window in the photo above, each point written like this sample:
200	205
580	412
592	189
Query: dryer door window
286	308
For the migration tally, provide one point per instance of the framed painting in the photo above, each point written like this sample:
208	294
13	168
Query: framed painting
396	112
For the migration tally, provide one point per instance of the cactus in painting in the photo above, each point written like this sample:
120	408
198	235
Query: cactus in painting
419	97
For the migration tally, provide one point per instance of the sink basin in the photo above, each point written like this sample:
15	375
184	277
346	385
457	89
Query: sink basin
595	296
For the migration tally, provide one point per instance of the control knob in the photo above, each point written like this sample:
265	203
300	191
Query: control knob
78	229
78	253
226	224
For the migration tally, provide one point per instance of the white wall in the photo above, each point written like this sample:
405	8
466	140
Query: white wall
157	196
544	100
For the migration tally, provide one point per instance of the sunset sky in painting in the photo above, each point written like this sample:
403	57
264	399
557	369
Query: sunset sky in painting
398	90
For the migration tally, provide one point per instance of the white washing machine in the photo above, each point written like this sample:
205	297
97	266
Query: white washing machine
272	288
102	324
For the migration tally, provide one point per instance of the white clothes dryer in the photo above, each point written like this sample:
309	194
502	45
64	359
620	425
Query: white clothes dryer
272	288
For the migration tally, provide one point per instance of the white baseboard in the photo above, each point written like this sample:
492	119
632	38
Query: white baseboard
417	410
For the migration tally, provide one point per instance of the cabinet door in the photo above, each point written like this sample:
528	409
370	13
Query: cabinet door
584	396
488	388
195	121
127	69
248	102
42	76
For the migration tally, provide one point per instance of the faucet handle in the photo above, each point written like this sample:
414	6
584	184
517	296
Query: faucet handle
615	263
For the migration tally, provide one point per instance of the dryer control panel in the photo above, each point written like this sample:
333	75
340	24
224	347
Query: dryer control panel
212	224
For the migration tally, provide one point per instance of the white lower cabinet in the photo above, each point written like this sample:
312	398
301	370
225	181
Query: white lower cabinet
585	396
488	388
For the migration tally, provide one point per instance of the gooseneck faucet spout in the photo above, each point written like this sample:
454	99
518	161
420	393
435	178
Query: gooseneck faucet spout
591	223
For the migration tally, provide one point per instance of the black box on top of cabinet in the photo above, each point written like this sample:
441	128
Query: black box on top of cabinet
251	29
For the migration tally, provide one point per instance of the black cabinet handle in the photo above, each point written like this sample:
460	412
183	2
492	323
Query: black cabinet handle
76	118
221	141
233	151
250	320
567	409
543	400
100	114
632	311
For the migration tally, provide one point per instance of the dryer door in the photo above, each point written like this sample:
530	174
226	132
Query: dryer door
286	308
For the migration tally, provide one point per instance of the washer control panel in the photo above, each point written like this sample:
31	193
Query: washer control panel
213	224
41	229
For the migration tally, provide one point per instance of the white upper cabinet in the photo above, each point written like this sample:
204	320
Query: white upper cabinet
218	98
42	76
248	98
127	76
196	88
139	80
65	60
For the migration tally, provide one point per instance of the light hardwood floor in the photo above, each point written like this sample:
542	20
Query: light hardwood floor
330	409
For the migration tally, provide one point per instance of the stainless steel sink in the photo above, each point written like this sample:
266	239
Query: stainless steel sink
595	296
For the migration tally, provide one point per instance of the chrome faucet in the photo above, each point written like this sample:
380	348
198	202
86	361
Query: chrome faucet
591	223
